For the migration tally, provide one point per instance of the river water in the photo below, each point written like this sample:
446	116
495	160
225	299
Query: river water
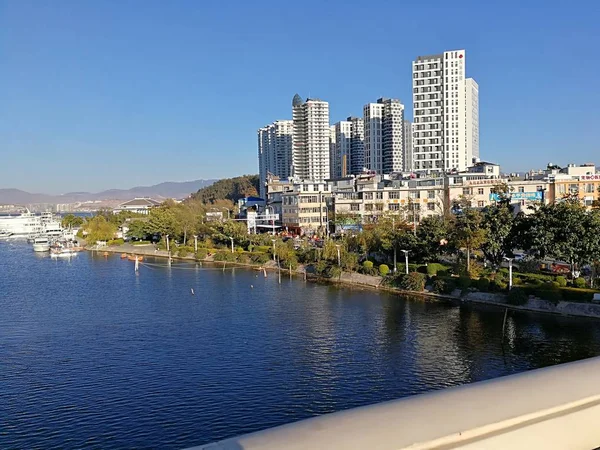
94	356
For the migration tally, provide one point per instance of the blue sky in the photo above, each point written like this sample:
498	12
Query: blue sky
112	94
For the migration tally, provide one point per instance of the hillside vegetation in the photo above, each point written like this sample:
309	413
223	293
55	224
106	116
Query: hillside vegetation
229	189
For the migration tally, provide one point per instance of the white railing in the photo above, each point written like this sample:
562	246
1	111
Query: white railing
552	408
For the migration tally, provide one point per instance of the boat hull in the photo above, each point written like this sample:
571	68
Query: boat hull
41	247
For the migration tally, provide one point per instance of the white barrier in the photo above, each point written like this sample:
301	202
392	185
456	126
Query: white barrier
552	408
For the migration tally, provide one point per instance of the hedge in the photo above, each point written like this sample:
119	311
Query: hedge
443	285
259	257
413	281
384	270
517	296
579	283
225	256
202	253
140	243
116	242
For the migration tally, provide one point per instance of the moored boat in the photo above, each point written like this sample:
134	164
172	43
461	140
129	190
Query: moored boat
41	244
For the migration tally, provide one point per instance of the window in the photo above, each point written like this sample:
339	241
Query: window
368	196
521	189
480	191
368	207
379	206
589	188
394	195
379	195
430	194
394	207
354	207
431	206
480	203
466	191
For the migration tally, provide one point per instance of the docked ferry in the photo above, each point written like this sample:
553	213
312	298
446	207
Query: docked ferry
24	225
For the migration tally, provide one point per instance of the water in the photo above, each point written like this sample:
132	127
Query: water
92	355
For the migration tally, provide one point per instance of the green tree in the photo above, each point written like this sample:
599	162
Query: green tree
71	221
497	221
162	221
432	238
231	189
99	229
138	229
468	231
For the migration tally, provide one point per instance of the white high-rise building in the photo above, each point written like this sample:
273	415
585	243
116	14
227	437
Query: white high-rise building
357	146
311	138
383	127
342	149
373	117
442	114
274	151
392	132
408	147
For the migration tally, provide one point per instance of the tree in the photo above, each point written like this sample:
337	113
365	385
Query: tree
498	221
162	221
468	231
99	229
186	220
71	221
432	238
137	229
231	189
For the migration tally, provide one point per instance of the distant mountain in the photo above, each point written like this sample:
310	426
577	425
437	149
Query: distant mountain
158	191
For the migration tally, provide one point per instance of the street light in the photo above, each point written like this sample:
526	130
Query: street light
510	267
405	259
273	240
337	246
167	236
196	243
393	229
231	244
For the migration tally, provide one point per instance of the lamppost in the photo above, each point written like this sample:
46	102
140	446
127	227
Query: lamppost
195	243
337	246
167	236
273	240
231	244
405	259
393	229
510	267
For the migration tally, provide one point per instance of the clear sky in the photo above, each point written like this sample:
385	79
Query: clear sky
112	94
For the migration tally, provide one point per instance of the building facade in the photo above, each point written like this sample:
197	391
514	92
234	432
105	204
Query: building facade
357	145
341	156
304	205
384	130
408	146
311	139
274	151
446	113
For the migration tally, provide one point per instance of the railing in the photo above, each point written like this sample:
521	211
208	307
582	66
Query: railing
552	408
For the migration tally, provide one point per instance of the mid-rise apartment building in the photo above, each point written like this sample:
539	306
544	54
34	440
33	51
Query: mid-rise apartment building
408	146
311	139
357	145
341	154
446	113
304	205
274	151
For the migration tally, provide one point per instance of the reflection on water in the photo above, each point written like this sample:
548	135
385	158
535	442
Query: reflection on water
94	355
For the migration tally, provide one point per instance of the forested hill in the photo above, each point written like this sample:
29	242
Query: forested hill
229	189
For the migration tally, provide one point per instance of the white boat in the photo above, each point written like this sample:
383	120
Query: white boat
52	227
64	253
5	235
41	244
22	226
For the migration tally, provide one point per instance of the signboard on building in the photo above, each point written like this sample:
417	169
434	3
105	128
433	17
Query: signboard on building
589	177
535	196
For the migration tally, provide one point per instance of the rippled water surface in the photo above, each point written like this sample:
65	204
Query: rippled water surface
92	355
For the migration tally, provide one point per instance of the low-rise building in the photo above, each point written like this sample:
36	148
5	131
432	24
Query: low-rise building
140	205
304	206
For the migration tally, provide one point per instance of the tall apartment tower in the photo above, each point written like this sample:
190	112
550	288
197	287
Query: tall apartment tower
408	146
384	129
357	145
446	113
342	149
373	118
274	151
311	139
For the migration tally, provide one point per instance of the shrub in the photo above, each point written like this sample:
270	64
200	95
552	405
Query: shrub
414	281
464	282
443	285
140	242
225	256
262	248
498	285
579	282
182	252
367	267
239	249
202	253
384	270
517	296
577	295
517	280
243	258
434	268
116	242
259	258
443	273
483	284
562	281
